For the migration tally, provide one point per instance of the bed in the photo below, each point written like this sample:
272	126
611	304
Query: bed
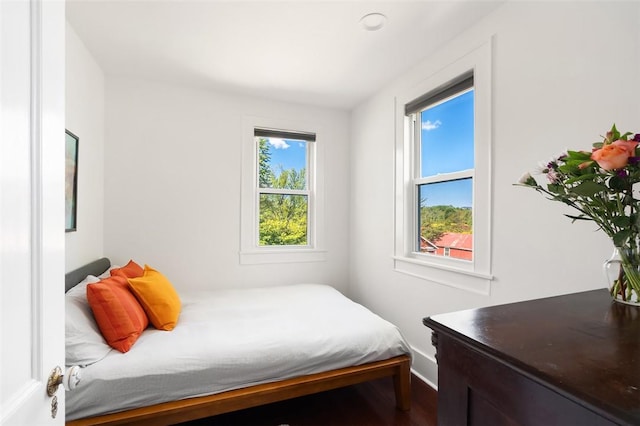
177	376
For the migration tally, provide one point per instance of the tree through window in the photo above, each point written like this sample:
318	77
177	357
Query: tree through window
443	123
443	174
283	187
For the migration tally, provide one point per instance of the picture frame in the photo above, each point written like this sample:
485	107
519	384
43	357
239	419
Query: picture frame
71	181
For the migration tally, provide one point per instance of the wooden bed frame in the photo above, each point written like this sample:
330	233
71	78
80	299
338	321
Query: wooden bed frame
399	368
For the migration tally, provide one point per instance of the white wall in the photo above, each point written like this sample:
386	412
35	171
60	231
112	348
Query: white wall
85	119
562	74
172	189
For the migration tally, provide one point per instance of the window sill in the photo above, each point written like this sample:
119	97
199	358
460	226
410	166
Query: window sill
446	275
266	256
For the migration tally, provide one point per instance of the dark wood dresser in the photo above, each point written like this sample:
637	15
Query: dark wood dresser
566	360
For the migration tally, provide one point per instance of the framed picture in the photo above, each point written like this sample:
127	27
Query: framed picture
71	182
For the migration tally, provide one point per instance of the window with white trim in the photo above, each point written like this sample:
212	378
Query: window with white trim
443	178
443	147
282	194
284	161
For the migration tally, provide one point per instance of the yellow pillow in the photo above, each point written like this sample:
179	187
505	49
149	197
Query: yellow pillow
157	297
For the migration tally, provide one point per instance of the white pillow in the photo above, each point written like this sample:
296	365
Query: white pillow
84	343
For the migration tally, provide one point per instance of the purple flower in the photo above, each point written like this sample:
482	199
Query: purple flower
553	176
623	173
634	160
636	137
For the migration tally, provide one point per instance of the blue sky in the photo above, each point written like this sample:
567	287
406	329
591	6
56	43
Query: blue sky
457	193
447	146
288	153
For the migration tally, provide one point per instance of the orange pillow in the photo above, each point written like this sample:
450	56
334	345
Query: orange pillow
157	297
130	270
120	317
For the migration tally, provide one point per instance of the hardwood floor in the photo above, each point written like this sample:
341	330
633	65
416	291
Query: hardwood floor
365	404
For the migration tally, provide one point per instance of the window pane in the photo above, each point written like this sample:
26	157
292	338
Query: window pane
445	219
283	220
282	163
447	136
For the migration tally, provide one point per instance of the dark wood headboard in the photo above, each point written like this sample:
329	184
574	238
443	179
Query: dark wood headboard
96	268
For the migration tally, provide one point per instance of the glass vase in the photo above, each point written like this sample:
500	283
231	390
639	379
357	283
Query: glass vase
622	272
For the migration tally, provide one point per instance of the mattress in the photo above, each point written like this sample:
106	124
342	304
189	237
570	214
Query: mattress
230	339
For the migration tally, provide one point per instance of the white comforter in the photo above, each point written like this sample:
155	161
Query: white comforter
228	339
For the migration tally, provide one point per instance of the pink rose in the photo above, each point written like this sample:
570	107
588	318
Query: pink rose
630	146
612	156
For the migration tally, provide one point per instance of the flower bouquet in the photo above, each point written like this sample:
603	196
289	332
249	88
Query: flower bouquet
599	185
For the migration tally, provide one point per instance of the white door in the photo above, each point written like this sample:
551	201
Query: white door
31	209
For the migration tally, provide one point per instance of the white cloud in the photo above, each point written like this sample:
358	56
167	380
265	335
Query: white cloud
278	143
428	125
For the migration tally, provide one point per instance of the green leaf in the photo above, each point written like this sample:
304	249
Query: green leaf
621	221
577	167
579	178
626	135
578	155
577	217
588	189
615	134
621	237
617	183
576	162
555	188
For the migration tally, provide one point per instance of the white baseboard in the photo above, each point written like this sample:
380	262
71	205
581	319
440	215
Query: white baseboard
425	368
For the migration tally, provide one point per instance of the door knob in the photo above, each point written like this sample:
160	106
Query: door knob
69	381
55	378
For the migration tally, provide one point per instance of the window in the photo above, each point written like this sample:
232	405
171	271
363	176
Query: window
282	186
442	124
282	195
443	190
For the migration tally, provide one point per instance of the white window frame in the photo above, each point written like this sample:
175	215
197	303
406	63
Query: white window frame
251	252
474	275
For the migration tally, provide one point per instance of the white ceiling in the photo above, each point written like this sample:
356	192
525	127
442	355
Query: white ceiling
310	52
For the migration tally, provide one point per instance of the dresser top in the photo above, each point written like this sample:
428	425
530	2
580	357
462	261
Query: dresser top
582	345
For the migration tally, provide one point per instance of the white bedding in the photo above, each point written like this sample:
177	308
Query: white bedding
229	339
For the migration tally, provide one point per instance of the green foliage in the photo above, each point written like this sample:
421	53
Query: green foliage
283	217
598	184
265	175
435	221
288	179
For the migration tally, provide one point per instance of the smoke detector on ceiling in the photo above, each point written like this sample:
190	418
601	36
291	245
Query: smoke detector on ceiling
373	21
